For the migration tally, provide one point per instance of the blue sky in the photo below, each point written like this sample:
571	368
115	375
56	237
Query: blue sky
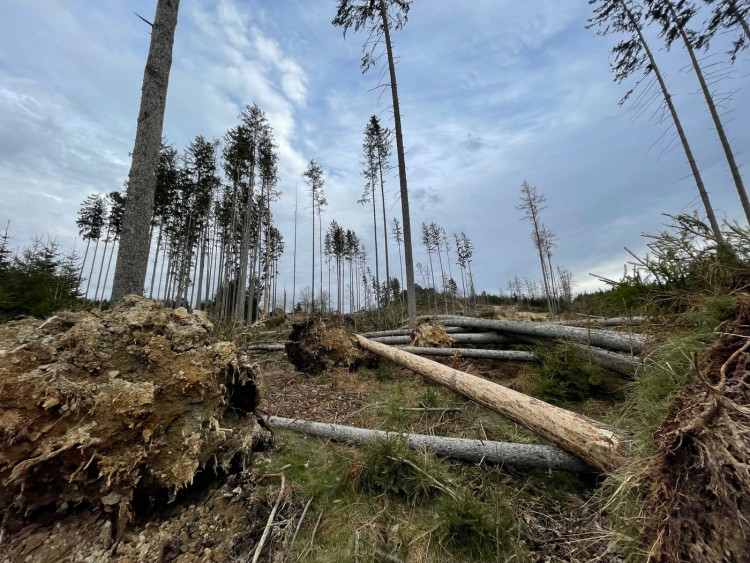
492	93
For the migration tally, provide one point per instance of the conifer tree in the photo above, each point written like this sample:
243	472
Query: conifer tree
632	55
379	17
674	18
313	176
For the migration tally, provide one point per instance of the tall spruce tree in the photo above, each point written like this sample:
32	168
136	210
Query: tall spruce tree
379	17
632	55
674	18
313	176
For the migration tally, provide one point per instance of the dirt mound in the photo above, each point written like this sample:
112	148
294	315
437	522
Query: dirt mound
111	409
700	477
318	344
430	334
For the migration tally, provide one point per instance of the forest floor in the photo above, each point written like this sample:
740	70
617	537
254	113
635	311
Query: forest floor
300	498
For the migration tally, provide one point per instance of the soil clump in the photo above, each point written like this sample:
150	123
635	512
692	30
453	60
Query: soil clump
106	418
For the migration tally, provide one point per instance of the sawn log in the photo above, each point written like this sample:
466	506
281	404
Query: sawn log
598	444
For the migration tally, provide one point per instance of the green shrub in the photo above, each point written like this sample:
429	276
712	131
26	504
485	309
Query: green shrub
565	374
478	528
388	466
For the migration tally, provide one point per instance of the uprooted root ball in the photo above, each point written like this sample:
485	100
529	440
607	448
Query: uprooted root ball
317	344
96	407
699	504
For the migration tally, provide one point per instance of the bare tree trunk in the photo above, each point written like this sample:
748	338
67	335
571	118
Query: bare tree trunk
733	168
294	274
161	273
132	258
156	258
503	355
83	263
241	289
101	267
599	445
462	337
375	238
678	125
385	234
109	264
411	299
530	456
91	272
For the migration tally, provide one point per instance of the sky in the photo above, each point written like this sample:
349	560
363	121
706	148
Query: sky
492	92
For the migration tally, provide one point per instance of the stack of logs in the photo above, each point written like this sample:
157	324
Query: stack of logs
610	349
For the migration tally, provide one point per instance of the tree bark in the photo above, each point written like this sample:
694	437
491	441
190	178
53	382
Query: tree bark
528	456
132	258
504	355
464	338
411	299
608	339
599	445
599	322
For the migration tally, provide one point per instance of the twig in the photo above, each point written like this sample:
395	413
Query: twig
144	19
299	525
267	530
312	538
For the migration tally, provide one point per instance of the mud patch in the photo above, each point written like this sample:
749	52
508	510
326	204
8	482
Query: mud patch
700	477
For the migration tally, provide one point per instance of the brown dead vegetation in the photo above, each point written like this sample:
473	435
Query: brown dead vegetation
431	334
699	479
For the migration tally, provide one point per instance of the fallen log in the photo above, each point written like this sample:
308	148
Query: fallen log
406	332
598	444
613	361
529	456
506	355
612	321
609	339
463	338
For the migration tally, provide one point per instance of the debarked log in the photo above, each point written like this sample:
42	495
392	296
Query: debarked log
463	338
504	355
598	444
529	456
609	339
